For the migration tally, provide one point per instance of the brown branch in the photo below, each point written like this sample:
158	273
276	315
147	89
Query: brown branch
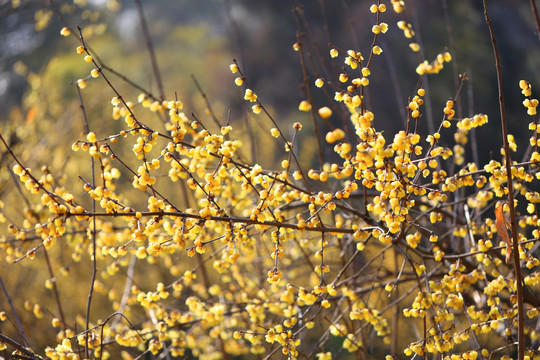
129	81
19	347
459	106
206	101
310	100
150	48
508	161
55	288
536	18
94	259
243	220
15	314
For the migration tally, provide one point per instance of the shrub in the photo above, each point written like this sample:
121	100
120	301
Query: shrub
161	236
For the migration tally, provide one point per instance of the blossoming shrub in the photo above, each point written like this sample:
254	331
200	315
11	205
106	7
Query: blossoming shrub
173	244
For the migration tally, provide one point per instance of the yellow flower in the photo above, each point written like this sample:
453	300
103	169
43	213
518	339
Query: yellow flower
65	31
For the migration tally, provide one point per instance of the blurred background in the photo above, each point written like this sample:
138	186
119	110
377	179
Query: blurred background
201	38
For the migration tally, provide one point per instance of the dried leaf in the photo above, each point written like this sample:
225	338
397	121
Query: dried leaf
502	224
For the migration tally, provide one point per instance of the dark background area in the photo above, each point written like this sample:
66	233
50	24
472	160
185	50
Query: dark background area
260	36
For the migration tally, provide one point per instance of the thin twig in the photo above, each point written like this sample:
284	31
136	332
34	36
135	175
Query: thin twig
536	18
127	289
459	105
129	81
15	314
244	220
206	101
424	78
54	288
508	164
150	48
310	100
470	103
94	258
21	348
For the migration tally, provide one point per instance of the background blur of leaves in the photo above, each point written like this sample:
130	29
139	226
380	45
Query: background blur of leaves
39	106
200	38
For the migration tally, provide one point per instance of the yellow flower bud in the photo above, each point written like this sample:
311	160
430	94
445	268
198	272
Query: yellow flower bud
325	112
65	31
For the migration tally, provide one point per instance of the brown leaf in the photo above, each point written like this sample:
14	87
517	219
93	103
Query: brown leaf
502	224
